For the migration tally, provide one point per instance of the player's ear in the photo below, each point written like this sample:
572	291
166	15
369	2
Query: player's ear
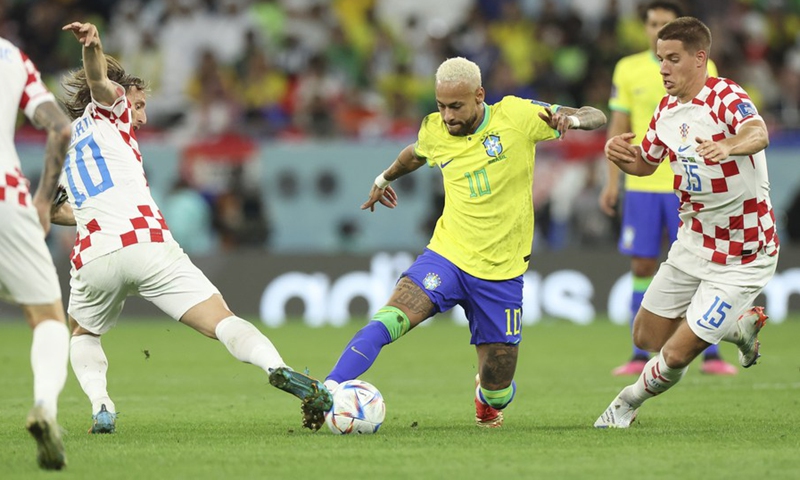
701	58
480	95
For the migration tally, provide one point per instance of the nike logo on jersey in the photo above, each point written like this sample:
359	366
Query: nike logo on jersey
444	164
701	324
683	148
354	349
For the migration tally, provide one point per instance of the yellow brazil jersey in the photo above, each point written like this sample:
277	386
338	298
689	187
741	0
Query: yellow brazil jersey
637	90
486	228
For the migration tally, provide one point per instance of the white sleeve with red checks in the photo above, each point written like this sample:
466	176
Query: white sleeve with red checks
735	106
35	92
653	149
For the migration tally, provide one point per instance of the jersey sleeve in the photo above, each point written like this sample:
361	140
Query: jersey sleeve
736	107
424	144
116	110
526	112
653	149
620	99
35	92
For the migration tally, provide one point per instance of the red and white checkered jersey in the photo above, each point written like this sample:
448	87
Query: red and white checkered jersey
21	88
726	214
106	184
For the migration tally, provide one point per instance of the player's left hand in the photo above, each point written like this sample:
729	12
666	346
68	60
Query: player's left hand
711	150
556	121
86	33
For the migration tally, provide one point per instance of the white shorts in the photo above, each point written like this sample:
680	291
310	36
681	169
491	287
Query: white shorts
711	296
27	274
158	272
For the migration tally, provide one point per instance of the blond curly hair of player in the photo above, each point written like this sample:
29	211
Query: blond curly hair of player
459	70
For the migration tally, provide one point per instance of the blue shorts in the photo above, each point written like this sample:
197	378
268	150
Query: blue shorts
493	307
646	217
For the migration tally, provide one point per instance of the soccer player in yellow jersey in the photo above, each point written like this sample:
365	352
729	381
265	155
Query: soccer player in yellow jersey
481	245
650	206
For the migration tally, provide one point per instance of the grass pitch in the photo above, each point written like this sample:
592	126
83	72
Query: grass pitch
189	410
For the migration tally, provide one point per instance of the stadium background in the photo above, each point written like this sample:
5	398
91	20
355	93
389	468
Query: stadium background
268	121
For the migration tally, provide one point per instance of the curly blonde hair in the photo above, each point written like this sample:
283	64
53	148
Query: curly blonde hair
459	70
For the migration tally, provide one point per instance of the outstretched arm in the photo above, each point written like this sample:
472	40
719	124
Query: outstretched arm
94	62
381	191
628	157
584	118
751	138
50	117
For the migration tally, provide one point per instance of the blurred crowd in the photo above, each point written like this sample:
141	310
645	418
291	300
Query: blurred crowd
363	69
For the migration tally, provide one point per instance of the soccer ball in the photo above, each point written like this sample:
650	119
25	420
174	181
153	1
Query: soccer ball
357	408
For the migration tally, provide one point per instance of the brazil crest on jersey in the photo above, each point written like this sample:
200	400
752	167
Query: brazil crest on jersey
486	228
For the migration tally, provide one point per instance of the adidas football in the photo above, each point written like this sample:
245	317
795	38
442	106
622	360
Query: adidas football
357	408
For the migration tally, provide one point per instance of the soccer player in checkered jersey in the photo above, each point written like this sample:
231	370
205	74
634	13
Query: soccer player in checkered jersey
123	245
650	205
27	275
727	247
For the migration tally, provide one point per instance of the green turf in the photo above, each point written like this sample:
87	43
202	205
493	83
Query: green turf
192	411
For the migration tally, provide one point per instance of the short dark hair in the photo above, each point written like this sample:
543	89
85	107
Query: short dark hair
77	90
693	33
667	5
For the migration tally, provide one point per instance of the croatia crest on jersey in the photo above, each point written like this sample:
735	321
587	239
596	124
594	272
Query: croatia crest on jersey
684	132
493	146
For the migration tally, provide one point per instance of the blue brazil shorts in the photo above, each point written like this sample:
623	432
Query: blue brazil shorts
493	307
645	218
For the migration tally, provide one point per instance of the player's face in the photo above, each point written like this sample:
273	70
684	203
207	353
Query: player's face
138	103
682	72
656	18
461	107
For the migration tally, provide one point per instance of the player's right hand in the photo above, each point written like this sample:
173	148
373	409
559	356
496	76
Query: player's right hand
386	196
608	200
618	149
86	33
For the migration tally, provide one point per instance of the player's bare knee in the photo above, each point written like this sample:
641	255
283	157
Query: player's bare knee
412	300
675	358
36	314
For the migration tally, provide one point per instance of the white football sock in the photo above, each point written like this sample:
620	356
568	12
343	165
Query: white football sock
248	344
90	365
49	351
656	378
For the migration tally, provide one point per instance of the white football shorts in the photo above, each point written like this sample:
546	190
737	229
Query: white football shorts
27	274
711	296
161	273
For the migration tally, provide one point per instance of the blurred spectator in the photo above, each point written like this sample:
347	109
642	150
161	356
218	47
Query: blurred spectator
239	215
319	93
189	218
261	90
213	109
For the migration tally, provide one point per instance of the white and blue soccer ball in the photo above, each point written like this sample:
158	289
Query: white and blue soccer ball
357	408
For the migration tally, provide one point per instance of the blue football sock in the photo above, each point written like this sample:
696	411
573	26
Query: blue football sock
640	285
711	352
361	352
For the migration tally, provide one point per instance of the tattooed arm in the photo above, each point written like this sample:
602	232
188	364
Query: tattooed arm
584	118
49	116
